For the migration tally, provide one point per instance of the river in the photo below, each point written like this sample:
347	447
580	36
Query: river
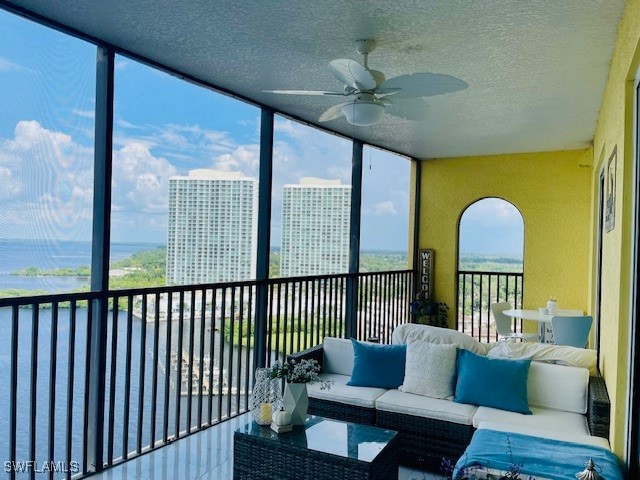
61	383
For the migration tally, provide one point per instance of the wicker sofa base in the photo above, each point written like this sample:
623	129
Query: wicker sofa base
342	411
425	442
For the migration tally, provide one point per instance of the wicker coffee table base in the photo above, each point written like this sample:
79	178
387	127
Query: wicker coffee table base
263	459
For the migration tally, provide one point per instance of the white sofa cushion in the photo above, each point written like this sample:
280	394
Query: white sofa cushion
541	418
543	433
558	387
342	393
338	356
419	406
430	369
407	331
544	352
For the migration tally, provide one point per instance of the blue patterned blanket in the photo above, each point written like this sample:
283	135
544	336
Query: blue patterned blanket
538	457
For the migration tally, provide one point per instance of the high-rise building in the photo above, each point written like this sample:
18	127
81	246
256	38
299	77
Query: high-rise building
212	227
315	227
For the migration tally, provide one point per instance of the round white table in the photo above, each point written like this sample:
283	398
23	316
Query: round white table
541	318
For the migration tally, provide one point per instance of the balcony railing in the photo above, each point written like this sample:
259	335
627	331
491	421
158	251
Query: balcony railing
178	359
477	291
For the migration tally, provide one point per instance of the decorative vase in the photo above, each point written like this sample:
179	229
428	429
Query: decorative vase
296	401
552	306
265	397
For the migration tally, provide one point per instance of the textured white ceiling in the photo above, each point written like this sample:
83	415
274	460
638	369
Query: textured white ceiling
536	69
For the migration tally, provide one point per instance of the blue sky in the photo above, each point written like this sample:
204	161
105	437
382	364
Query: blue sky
492	226
162	127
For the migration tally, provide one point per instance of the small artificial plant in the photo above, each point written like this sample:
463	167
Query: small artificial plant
303	371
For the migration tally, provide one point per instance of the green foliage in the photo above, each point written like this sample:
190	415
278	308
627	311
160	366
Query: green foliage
490	263
274	263
290	331
20	292
151	260
145	268
494	288
370	261
84	271
382	261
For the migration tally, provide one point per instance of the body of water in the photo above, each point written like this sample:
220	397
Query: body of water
234	368
49	255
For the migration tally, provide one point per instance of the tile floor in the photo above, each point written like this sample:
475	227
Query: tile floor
206	455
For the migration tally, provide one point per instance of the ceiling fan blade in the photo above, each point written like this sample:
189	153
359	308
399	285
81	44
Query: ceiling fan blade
423	84
353	74
387	92
305	92
410	109
333	112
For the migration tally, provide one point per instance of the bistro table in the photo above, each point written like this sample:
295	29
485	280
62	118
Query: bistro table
542	318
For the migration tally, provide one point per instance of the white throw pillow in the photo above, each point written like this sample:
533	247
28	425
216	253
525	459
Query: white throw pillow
430	369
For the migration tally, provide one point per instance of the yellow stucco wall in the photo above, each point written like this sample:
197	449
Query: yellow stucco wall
552	192
558	199
615	128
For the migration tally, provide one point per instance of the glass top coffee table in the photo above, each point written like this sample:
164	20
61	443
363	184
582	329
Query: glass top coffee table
320	449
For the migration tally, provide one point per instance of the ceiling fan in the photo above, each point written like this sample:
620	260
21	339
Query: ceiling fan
369	94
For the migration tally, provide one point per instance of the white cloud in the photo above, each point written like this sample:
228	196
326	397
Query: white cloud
493	211
188	144
8	66
84	113
9	186
121	63
385	208
48	177
291	129
124	124
341	172
245	158
49	181
140	180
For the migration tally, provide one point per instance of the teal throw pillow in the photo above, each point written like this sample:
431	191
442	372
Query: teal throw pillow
492	382
377	365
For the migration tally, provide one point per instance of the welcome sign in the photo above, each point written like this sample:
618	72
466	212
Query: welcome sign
426	271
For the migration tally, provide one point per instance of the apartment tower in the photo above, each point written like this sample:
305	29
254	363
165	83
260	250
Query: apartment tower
212	227
315	227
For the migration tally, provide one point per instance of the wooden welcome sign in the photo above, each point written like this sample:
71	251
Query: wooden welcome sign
425	270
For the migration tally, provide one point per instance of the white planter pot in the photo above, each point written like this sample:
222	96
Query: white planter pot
296	401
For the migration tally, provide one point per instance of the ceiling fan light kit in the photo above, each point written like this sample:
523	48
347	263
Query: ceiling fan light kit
363	113
370	95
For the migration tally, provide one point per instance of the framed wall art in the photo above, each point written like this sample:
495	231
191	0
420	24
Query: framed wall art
610	191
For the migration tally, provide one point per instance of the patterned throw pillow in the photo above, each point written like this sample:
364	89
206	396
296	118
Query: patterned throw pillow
430	370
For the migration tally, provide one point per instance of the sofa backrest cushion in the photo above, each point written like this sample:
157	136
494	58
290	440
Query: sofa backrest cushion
413	331
338	356
558	387
545	352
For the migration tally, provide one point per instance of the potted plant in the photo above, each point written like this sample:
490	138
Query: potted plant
429	312
296	375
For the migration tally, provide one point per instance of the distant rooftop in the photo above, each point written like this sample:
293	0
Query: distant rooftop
317	182
211	174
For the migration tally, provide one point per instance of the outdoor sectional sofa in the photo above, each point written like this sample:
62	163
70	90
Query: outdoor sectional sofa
566	402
